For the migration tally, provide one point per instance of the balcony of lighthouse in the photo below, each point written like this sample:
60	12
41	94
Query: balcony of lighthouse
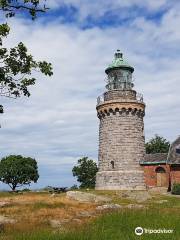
126	96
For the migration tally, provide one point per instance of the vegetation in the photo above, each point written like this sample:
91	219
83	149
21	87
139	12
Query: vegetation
157	145
176	189
41	204
34	212
85	172
16	171
11	7
17	65
120	225
74	187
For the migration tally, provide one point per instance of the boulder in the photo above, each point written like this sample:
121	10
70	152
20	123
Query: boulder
135	206
85	214
53	195
55	223
77	220
86	197
4	204
108	207
161	201
138	196
58	223
5	219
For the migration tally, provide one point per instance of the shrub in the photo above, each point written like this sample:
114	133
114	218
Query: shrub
25	190
176	189
74	187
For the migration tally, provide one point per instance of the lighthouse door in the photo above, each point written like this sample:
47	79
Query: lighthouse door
161	177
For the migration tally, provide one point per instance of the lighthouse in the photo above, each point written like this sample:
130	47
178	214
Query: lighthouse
121	130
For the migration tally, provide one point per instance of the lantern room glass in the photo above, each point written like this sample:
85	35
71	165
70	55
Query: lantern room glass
119	79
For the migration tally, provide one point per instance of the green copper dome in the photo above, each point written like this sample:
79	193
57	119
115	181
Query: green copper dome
119	62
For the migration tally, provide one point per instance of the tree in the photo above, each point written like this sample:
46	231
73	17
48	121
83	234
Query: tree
85	171
10	7
16	64
16	170
157	145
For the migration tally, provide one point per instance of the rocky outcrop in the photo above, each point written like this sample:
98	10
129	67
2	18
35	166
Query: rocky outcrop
5	219
4	204
138	196
109	207
135	206
86	197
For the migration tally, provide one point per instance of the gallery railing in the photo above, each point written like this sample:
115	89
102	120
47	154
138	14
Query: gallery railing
101	98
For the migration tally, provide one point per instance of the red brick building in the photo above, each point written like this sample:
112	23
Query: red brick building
163	169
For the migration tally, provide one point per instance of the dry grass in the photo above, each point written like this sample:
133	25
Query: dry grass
34	211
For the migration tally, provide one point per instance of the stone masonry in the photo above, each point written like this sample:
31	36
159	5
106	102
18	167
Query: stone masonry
121	141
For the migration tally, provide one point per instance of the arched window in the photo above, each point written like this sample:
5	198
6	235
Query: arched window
112	164
160	170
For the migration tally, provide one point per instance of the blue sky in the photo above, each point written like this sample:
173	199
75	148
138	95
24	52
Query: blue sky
57	125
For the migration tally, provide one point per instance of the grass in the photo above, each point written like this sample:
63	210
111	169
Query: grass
33	212
116	226
39	205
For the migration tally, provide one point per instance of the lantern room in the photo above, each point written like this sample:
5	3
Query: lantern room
119	74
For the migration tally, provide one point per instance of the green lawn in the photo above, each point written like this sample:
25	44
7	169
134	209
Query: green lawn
118	226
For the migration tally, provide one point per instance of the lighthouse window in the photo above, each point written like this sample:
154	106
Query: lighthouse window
178	150
112	164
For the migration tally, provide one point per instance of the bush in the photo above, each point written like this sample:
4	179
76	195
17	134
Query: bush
25	190
176	189
74	187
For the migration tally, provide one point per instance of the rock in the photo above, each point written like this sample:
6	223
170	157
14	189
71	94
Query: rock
161	201
86	197
102	199
65	221
135	206
53	195
5	219
58	223
85	214
77	220
108	206
55	223
4	204
138	196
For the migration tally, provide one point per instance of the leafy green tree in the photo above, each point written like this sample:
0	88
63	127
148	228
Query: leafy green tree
16	64
157	145
11	7
85	171
16	170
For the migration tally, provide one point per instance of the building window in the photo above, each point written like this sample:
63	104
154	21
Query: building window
160	170
178	150
112	164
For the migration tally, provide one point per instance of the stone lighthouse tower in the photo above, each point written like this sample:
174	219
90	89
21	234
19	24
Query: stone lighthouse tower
121	130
